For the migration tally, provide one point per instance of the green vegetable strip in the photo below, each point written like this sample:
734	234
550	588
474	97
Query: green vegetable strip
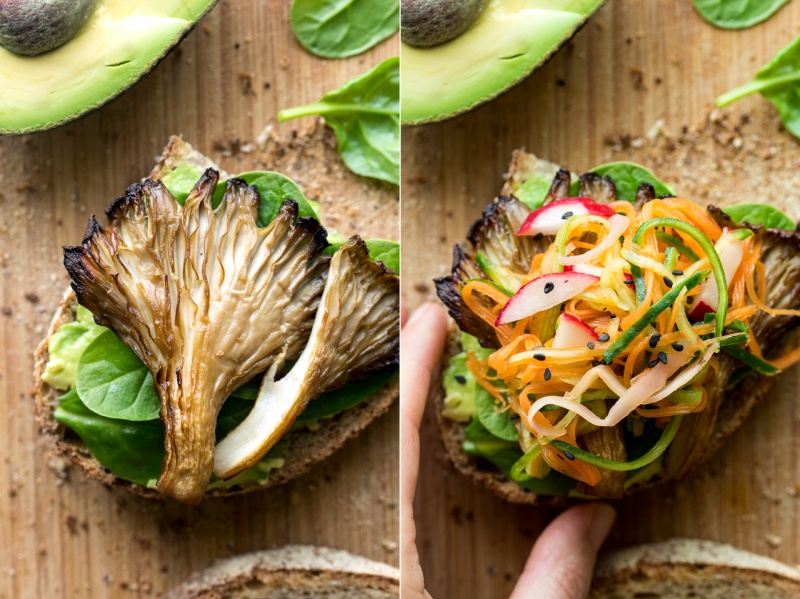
660	447
752	361
672	256
708	248
673	241
624	340
518	472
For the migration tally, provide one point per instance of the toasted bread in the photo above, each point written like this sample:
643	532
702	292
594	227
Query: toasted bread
684	568
732	412
305	448
292	571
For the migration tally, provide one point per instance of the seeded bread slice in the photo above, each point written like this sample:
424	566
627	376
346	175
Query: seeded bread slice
305	448
292	571
690	568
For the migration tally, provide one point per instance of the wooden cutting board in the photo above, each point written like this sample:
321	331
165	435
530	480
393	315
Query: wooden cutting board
220	89
602	98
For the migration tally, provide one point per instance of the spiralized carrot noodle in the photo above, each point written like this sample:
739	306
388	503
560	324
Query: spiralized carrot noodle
530	366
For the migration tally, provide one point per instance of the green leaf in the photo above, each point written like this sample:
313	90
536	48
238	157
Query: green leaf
759	214
533	190
627	176
274	189
66	346
388	252
131	450
341	28
365	115
737	14
331	403
779	82
497	423
504	454
113	382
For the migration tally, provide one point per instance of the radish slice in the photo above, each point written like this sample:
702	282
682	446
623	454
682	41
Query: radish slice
548	219
543	293
730	248
572	332
687	375
618	224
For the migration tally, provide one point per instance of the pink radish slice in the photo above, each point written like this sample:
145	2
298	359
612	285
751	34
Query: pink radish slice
543	293
591	269
618	224
548	219
572	332
731	252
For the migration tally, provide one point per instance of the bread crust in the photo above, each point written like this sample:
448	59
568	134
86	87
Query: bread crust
301	569
304	447
688	566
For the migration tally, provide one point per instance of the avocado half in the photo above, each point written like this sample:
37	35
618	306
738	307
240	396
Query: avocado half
121	43
508	42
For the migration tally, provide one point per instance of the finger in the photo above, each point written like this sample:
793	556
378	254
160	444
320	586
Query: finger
421	345
561	563
403	315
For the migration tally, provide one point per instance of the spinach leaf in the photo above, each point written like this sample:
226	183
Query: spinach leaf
533	190
503	454
383	250
779	82
331	403
341	28
112	381
627	176
365	115
759	214
135	450
737	14
273	187
497	423
131	450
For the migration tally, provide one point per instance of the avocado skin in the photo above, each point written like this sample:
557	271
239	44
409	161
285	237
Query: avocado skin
32	27
426	23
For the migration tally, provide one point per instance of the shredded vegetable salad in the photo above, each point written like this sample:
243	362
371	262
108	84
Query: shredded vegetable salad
623	317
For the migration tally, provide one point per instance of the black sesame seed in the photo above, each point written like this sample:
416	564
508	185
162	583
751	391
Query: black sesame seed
662	357
538	236
654	339
603	338
668	282
547	374
677	273
569	456
539	357
514	416
590	345
677	346
595	363
652	363
689	300
566	215
460	379
548	287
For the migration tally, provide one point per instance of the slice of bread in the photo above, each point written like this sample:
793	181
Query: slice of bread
690	568
305	448
292	571
732	412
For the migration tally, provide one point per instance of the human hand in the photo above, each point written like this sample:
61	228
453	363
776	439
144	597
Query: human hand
562	561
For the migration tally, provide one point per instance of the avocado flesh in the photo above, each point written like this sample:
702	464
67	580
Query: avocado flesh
123	40
507	43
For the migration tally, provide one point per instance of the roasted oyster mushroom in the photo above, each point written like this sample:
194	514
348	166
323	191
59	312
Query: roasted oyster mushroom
204	297
355	333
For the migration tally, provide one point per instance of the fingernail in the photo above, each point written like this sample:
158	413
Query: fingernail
602	521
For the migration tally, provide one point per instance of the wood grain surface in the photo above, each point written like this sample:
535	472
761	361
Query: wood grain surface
638	62
73	538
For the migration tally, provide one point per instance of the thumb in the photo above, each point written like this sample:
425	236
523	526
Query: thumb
561	563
